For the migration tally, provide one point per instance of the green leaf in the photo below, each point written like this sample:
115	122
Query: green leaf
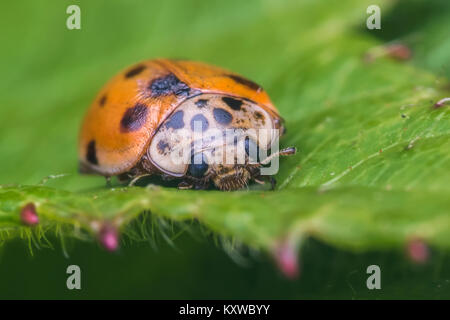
372	169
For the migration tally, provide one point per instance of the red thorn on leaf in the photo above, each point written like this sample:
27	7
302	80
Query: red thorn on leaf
109	237
28	215
441	103
286	258
399	51
418	251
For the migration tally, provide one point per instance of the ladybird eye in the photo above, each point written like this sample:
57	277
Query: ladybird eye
252	149
198	165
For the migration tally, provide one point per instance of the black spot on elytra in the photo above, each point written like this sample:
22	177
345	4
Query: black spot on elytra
248	83
167	85
162	146
202	120
198	166
234	104
91	154
102	100
175	121
222	116
134	118
201	103
259	117
135	71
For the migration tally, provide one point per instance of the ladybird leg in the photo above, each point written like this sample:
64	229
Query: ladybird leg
108	182
258	181
202	184
256	176
271	179
124	177
137	178
184	185
273	183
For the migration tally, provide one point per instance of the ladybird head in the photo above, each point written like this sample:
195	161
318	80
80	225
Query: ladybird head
232	178
228	164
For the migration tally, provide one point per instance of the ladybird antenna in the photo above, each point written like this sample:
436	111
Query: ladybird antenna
289	151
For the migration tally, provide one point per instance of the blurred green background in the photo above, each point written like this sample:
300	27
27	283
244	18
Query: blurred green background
199	269
50	75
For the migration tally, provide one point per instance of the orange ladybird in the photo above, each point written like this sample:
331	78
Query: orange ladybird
146	117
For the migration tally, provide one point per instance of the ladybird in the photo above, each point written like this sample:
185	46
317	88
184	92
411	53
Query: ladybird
145	117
